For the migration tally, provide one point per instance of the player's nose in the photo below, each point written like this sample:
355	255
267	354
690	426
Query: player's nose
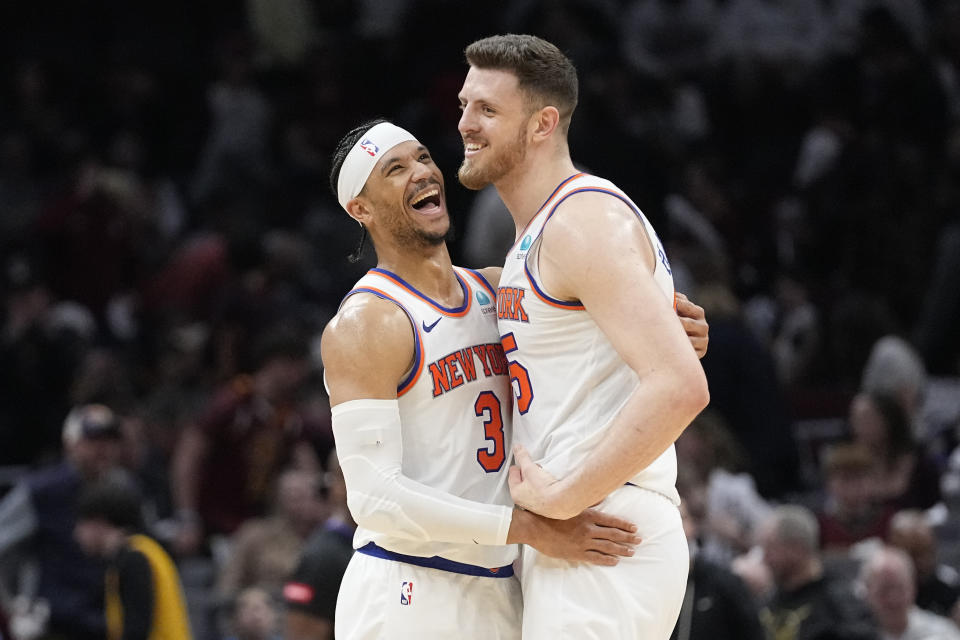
467	123
421	171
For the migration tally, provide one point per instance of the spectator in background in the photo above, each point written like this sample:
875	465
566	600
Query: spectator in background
311	593
717	604
936	334
904	474
143	598
255	616
890	588
755	574
92	236
807	604
713	462
937	585
752	401
227	460
264	551
235	157
41	511
798	340
41	345
851	511
895	369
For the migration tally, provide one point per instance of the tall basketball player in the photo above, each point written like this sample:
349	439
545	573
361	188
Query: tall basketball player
420	392
605	379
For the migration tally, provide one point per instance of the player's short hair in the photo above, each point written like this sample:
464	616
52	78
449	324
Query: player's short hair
544	73
343	148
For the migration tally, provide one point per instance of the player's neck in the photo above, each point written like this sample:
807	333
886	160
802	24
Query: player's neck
527	187
429	271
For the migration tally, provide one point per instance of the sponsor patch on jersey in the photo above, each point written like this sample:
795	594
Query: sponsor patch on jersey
406	593
487	306
524	246
298	592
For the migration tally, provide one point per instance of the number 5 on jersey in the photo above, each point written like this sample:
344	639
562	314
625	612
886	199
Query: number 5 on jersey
519	376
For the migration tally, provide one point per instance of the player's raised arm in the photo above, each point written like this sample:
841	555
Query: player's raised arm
617	288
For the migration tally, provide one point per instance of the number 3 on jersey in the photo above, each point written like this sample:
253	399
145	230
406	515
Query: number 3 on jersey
488	406
519	376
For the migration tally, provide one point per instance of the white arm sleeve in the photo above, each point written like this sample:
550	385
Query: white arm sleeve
381	498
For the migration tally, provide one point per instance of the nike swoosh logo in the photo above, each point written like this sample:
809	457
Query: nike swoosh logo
429	327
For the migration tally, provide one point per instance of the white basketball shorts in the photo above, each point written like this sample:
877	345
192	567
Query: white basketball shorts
384	599
639	599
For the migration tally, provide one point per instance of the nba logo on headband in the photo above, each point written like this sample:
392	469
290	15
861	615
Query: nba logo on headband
362	158
368	146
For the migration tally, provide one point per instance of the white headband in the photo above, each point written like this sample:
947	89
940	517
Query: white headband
364	156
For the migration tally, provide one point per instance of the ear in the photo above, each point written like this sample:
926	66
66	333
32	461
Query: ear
544	122
357	209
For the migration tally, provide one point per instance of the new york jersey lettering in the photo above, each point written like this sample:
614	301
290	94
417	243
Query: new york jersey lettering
460	367
510	304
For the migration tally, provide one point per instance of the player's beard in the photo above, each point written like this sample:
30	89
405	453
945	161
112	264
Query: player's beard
408	234
478	174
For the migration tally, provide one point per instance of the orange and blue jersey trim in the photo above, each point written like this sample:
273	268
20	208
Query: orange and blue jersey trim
436	562
419	357
457	312
573	305
542	207
481	280
570	305
611	192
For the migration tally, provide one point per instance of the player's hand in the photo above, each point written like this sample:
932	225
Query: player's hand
694	322
593	536
534	488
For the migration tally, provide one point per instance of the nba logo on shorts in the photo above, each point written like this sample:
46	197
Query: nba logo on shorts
406	593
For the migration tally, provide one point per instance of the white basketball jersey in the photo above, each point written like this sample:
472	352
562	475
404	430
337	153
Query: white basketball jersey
454	407
569	381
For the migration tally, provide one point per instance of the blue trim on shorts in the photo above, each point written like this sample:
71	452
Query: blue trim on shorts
436	562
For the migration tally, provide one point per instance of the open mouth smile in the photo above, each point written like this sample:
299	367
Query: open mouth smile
427	201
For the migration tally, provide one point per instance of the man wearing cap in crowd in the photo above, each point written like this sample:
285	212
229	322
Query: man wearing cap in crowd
39	515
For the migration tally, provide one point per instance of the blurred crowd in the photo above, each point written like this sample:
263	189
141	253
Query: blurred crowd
171	250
